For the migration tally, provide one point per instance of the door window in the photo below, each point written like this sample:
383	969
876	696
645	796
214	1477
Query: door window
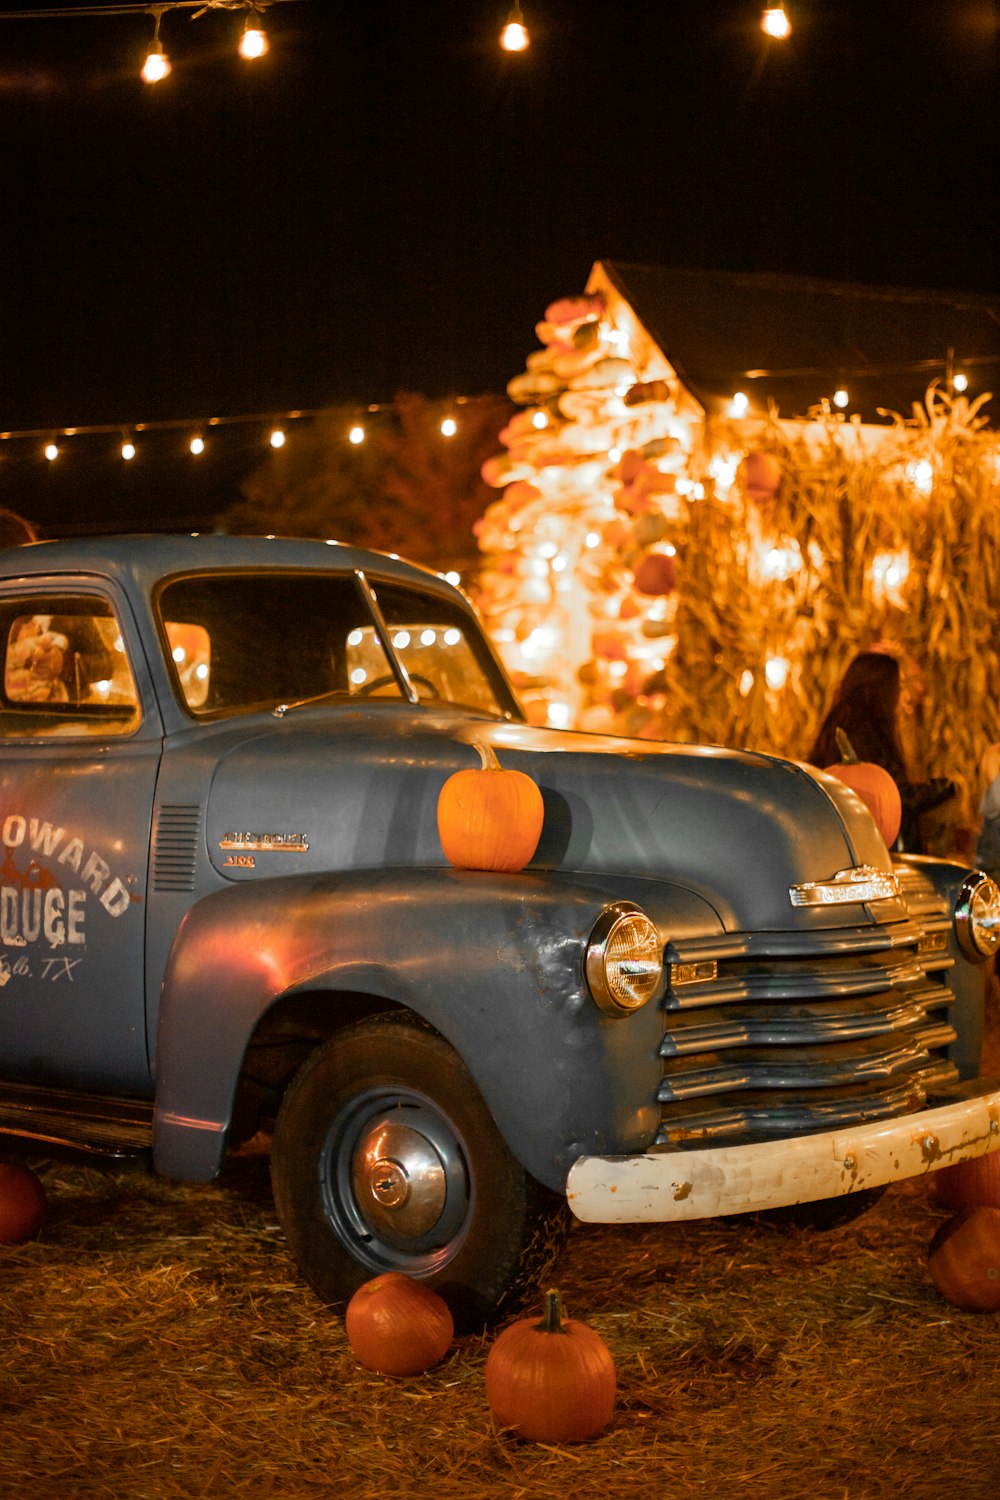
65	671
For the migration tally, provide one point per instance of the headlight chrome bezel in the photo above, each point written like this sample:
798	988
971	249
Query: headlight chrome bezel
607	957
977	917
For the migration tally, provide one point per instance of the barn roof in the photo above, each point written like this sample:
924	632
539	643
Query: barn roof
790	341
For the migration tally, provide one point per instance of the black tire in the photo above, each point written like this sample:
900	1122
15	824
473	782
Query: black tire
385	1158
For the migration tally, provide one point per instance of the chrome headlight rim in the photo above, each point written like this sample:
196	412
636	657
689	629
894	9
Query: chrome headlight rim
608	986
977	917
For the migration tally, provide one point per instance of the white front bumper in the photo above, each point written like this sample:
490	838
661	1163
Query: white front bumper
665	1184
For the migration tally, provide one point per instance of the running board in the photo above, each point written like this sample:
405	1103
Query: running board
95	1124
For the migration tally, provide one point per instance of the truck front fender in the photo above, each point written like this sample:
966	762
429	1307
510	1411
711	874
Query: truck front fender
492	962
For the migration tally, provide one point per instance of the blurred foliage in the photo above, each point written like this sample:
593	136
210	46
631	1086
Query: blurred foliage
407	488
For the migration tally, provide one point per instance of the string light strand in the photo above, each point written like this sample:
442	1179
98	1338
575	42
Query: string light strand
273	422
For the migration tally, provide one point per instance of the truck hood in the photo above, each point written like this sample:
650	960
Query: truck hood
335	789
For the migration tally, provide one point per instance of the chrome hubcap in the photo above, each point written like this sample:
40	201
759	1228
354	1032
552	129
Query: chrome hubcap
399	1180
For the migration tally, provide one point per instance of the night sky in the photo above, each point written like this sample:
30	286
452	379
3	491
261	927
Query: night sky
387	202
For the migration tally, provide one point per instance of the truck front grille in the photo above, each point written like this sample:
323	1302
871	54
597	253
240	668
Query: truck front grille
763	1038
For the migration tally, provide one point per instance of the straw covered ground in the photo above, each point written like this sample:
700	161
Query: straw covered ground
156	1342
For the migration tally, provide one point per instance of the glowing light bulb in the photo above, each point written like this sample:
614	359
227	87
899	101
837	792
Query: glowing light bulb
277	438
253	42
960	381
889	572
356	434
739	405
157	64
196	445
776	672
921	475
722	468
841	398
774	22
51	451
449	427
128	450
539	420
514	37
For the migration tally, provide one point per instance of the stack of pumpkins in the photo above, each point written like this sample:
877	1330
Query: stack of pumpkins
964	1255
591	470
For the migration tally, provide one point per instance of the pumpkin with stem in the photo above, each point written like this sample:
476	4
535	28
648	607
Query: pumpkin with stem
874	786
552	1381
489	818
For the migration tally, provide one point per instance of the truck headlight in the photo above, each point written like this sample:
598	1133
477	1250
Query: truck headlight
624	959
977	917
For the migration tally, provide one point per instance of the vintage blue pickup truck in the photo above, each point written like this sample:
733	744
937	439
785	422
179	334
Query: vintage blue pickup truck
225	909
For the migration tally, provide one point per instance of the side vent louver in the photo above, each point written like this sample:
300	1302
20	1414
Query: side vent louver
175	848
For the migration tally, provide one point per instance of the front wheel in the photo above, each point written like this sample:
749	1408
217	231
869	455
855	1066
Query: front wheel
385	1158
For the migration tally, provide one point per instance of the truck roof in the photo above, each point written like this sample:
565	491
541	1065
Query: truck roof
144	559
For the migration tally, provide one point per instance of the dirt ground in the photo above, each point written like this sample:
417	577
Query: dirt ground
158	1344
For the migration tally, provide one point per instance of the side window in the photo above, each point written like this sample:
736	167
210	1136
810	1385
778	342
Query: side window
65	671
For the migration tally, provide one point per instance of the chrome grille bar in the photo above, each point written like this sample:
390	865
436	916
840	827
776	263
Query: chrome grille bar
792	1032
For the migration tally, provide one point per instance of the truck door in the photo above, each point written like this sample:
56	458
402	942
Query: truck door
80	742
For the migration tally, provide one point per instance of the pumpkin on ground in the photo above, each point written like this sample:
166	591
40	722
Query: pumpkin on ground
874	786
489	818
551	1381
964	1260
970	1184
22	1204
398	1326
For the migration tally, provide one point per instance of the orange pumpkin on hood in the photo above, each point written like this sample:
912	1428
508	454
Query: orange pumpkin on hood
874	786
489	819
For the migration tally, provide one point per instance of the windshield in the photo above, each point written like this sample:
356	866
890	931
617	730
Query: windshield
240	642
